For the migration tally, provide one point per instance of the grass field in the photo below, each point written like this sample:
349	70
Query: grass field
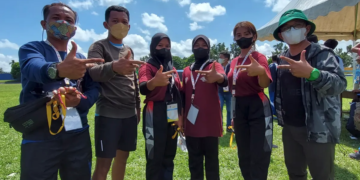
346	168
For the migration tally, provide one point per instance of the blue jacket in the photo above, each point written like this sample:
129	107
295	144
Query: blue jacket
35	58
273	69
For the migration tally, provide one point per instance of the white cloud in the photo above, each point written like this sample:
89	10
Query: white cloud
113	2
4	43
232	33
5	60
184	2
94	13
138	45
203	12
265	49
87	35
277	5
194	26
146	32
184	47
87	4
154	21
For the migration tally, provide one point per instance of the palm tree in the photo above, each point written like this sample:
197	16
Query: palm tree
12	62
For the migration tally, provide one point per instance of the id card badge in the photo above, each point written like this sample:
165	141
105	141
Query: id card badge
193	113
226	89
233	102
72	120
172	112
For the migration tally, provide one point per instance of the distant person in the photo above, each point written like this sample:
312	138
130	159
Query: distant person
309	84
272	86
118	109
46	66
313	38
224	92
332	43
356	50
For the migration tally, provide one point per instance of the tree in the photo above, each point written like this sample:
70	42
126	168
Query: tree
15	70
279	48
347	59
12	62
234	50
216	49
145	58
178	62
1	71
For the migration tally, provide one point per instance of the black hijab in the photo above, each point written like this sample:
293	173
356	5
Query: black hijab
154	60
200	61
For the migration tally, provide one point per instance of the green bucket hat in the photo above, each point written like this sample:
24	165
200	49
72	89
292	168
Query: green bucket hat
291	15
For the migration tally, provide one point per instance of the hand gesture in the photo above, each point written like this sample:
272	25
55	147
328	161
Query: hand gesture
211	76
301	69
73	67
72	96
126	66
162	78
179	123
252	69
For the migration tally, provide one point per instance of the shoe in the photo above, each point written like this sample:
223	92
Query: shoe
355	155
274	146
228	130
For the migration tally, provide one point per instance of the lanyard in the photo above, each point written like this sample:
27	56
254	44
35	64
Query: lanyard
66	80
193	82
171	86
237	70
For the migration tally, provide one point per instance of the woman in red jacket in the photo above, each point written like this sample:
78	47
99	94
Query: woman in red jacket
160	83
249	75
203	124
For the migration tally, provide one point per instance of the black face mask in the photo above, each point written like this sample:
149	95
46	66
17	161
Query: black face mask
201	54
244	43
163	53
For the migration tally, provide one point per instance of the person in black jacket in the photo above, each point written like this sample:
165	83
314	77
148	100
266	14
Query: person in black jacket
224	93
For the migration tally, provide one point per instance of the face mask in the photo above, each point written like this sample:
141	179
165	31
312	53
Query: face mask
201	54
244	43
61	29
119	30
294	36
221	60
162	53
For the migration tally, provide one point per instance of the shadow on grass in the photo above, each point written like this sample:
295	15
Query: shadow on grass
10	82
340	173
225	140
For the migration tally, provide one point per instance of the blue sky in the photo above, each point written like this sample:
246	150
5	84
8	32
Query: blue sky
182	20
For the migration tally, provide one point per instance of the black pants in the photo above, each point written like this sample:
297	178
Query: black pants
161	165
70	155
197	149
299	154
253	127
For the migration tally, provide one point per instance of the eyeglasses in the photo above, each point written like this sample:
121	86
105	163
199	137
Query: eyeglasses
295	26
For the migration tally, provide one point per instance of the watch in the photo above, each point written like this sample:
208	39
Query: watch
52	71
315	73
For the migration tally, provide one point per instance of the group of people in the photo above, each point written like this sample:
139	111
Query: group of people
308	83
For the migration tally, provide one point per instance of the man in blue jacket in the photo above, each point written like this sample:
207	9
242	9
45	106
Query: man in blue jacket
224	93
273	70
46	66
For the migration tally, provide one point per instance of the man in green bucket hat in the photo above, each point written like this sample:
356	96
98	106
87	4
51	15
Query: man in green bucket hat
309	82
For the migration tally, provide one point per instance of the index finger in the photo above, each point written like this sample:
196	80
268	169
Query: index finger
136	62
242	66
289	60
92	60
202	72
169	72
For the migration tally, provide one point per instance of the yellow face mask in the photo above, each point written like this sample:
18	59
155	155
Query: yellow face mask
119	30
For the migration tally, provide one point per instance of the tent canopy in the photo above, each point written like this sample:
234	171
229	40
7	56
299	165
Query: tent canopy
335	19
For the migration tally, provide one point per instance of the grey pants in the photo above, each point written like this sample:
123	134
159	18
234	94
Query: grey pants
299	154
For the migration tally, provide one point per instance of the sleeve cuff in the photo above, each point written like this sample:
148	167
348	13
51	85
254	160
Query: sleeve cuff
225	82
143	88
109	70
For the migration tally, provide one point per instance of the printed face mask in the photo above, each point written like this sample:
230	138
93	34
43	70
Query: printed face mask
119	30
294	36
61	29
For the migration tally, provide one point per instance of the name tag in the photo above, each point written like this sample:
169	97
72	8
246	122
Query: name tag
72	120
192	115
226	89
172	112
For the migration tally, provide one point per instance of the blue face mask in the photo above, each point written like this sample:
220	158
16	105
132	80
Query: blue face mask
61	29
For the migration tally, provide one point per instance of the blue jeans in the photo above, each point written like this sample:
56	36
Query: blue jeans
226	96
272	99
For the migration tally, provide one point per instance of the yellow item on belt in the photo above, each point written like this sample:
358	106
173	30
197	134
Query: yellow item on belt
53	113
231	137
176	132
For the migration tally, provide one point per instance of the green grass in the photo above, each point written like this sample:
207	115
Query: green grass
346	168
